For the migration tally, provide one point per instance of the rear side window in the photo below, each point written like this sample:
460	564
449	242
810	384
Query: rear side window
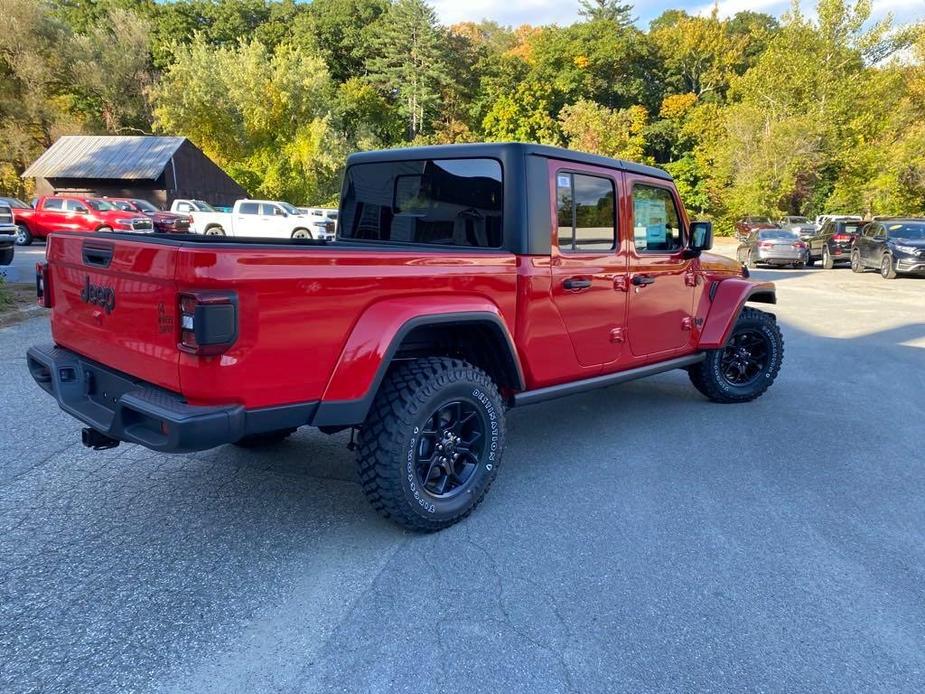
447	202
54	204
656	222
585	212
249	208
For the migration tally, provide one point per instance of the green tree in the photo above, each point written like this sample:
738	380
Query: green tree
410	66
267	118
590	127
344	31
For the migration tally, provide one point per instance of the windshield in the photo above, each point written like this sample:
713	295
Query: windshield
145	206
203	206
797	220
777	234
290	209
912	231
101	205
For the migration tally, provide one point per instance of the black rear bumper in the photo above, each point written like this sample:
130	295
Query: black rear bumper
124	408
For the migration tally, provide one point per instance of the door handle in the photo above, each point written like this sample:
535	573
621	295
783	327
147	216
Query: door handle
642	280
573	283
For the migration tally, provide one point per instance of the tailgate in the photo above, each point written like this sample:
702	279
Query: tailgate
115	301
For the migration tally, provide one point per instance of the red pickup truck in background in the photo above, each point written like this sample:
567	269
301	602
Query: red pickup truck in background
67	213
464	280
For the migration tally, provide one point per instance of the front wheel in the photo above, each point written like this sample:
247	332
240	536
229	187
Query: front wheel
747	365
856	265
23	236
301	234
432	442
887	269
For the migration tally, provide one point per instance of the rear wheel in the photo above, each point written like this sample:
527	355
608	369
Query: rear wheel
215	231
887	269
301	234
856	265
747	365
827	261
23	235
432	442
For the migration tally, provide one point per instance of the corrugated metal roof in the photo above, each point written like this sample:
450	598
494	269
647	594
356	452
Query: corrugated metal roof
106	156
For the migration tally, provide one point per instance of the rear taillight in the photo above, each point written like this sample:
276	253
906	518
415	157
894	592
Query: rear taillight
42	290
842	237
208	322
799	244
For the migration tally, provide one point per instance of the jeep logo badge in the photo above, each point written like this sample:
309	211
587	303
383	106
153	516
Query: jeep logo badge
105	297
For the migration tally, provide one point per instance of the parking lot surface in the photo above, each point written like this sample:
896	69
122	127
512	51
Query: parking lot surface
637	539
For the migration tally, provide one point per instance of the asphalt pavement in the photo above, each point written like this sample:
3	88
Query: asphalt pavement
637	539
22	269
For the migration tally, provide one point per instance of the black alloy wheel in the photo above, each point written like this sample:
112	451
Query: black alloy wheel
745	357
450	448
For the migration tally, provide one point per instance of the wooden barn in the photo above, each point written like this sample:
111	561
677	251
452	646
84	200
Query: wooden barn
157	169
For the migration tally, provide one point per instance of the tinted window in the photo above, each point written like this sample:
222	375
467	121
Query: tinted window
74	206
270	210
585	212
451	202
656	222
249	208
777	234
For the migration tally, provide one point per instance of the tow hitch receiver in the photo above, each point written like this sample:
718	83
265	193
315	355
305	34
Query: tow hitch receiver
91	438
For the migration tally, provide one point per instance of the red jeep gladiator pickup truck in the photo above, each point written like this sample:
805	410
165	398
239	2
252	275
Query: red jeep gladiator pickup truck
65	213
464	280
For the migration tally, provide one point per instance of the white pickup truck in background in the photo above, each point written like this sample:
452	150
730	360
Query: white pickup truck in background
255	219
206	219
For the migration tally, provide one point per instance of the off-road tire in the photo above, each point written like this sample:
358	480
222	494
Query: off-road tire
828	262
23	235
410	395
267	438
707	376
856	264
887	267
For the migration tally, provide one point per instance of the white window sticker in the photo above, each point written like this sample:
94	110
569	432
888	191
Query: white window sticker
565	182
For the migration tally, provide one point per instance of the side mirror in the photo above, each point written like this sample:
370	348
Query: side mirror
701	237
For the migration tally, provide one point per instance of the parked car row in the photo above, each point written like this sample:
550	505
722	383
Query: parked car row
260	219
893	246
7	234
251	218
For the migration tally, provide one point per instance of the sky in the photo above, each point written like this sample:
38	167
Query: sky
566	11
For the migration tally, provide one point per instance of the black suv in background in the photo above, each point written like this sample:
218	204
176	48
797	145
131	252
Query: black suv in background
833	242
893	246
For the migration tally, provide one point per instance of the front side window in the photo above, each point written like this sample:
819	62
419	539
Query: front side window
447	202
585	217
249	208
656	222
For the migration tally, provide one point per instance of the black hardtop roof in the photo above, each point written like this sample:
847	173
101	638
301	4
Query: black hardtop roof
501	150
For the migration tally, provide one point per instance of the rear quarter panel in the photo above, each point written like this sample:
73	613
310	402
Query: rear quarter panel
299	307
